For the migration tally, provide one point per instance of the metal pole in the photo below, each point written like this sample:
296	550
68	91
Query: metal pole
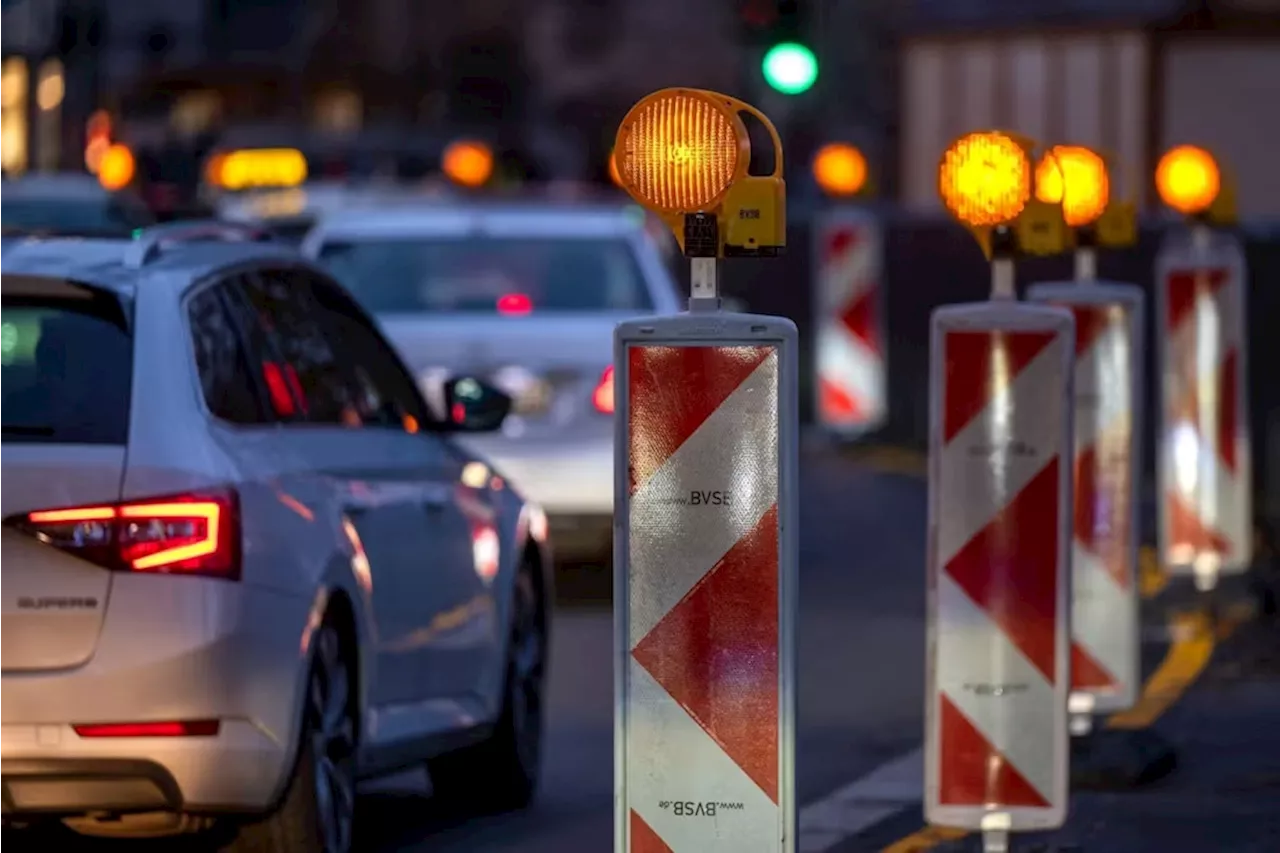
1003	277
1086	264
704	274
995	832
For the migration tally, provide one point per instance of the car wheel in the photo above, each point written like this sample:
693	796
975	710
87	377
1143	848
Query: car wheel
317	814
501	773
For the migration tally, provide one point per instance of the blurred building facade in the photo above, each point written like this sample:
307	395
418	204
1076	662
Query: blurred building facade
550	69
1131	77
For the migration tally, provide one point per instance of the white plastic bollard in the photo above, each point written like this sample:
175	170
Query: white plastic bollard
851	384
1203	447
996	742
705	581
1106	667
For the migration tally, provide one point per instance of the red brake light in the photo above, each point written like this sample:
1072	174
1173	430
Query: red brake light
514	303
195	534
603	396
197	728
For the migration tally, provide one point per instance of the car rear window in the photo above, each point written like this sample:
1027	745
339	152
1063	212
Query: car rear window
66	361
489	275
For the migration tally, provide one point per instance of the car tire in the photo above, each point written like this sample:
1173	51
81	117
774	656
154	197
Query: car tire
501	772
317	814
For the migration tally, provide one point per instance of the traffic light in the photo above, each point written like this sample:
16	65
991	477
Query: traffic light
777	28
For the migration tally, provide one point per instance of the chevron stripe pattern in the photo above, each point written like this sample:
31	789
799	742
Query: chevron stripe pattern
998	557
701	746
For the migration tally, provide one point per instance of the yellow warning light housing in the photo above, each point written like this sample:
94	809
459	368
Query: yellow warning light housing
840	169
1188	179
116	167
1076	178
468	163
985	180
256	167
684	155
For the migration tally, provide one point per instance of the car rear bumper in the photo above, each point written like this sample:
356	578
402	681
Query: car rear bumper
235	771
171	649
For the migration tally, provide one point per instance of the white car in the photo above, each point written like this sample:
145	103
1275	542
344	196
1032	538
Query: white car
526	295
244	563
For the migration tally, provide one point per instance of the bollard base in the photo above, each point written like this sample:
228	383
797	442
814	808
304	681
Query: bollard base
1120	759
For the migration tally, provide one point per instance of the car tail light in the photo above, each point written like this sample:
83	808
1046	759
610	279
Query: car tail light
603	396
191	534
514	303
194	728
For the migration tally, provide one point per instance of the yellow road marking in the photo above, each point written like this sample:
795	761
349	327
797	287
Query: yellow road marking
1151	576
1194	638
925	839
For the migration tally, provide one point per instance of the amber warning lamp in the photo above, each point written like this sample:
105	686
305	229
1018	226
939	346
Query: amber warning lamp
1078	178
1189	180
986	181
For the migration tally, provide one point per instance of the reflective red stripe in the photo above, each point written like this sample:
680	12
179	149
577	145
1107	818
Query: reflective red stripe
716	653
644	839
859	317
970	358
1087	673
1184	288
974	772
673	391
993	569
1228	401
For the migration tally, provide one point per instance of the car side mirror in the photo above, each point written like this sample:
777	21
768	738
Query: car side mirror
473	405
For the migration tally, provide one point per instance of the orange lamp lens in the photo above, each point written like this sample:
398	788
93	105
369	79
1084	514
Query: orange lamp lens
1188	179
1076	178
840	169
468	163
678	152
116	167
985	179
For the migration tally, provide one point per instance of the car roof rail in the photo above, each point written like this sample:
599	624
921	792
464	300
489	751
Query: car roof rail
149	244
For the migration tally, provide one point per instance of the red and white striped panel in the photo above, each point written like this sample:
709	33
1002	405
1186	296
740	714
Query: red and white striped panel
1104	553
1000	486
850	354
702	746
1205	507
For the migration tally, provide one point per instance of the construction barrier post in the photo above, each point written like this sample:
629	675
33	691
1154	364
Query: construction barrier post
1203	449
850	388
705	512
1106	669
1000	449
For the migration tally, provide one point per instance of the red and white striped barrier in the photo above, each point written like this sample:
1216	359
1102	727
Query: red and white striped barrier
1203	462
705	590
1105	662
849	349
999	536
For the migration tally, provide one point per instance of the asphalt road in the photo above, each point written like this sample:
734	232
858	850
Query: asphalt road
861	648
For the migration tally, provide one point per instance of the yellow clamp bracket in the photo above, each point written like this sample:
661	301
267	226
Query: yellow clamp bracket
684	154
985	180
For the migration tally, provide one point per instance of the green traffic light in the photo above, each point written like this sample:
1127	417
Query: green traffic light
791	68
